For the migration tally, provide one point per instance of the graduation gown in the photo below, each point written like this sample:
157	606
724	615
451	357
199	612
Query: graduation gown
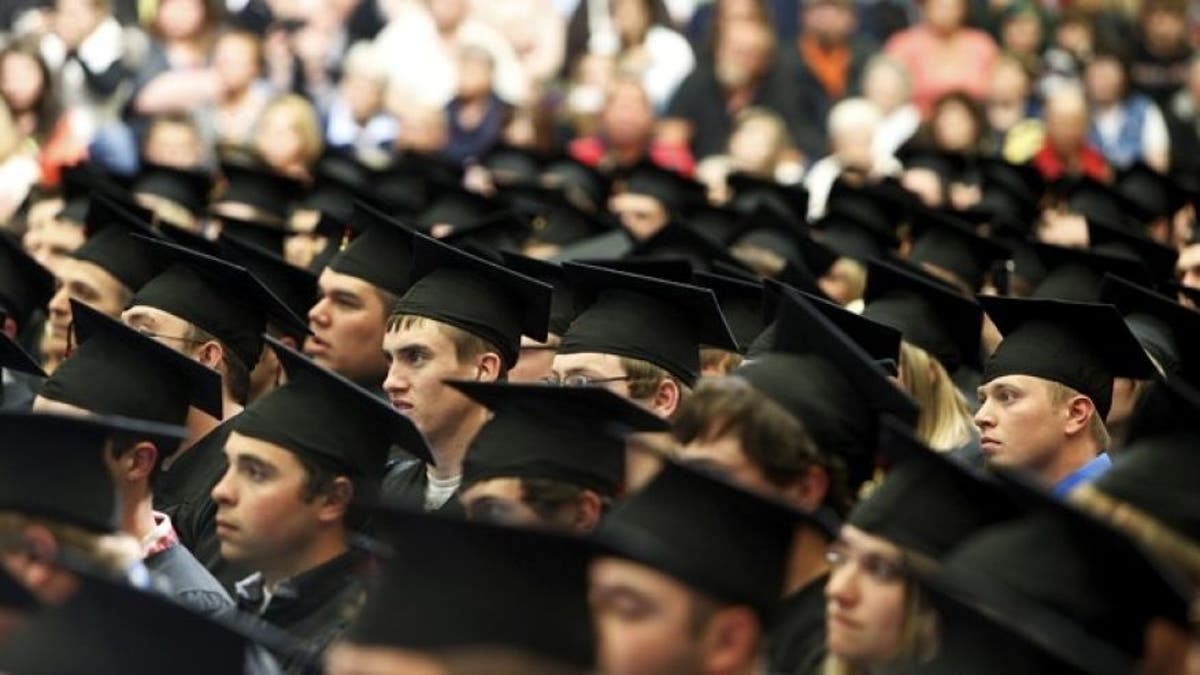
796	643
185	494
179	575
17	391
405	483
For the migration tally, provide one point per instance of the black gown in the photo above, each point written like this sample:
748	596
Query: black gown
405	483
796	643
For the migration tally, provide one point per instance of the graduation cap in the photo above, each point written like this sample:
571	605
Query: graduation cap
110	247
855	226
1150	195
584	185
219	297
325	417
110	625
716	223
456	206
406	186
14	596
676	192
260	233
673	521
381	255
610	245
478	296
268	193
118	371
1074	274
1061	341
928	503
13	357
928	313
553	219
766	228
639	317
1049	559
950	167
509	164
574	435
499	231
821	376
1166	329
1106	237
339	179
679	241
488	587
675	269
741	303
1020	185
74	487
79	183
189	239
1090	198
944	241
294	286
188	188
25	286
751	193
562	303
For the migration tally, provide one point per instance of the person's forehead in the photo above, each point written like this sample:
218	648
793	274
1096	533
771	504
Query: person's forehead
602	363
420	333
867	543
331	282
241	445
71	270
608	571
508	489
145	313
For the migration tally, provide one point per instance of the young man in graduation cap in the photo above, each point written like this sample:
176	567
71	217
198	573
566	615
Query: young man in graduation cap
356	294
693	569
462	319
25	286
1049	385
117	371
103	273
550	456
652	197
302	461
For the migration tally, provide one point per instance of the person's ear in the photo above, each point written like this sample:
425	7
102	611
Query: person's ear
41	549
809	490
9	326
666	398
487	368
730	640
589	508
211	354
1079	414
141	460
336	502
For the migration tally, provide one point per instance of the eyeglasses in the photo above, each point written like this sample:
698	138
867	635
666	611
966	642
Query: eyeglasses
580	380
876	566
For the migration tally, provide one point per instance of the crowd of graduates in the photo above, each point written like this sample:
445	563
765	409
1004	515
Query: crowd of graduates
634	337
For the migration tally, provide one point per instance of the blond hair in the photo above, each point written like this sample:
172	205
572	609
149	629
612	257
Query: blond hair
945	420
645	378
308	124
10	136
1061	394
918	636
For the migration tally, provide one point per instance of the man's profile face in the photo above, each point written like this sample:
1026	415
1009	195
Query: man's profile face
642	216
536	361
1019	423
644	620
347	325
88	283
420	358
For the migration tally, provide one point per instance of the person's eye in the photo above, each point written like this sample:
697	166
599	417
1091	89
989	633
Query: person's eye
835	556
881	569
631	609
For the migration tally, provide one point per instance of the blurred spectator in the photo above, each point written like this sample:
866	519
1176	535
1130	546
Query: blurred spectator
1012	114
48	238
591	29
1067	151
1125	126
1185	123
175	76
651	50
534	29
288	138
476	117
1187	268
356	117
423	131
852	126
760	146
305	42
830	58
626	134
942	54
958	126
1073	45
1161	52
242	93
586	93
174	140
745	72
18	165
25	85
422	50
1023	33
707	20
886	84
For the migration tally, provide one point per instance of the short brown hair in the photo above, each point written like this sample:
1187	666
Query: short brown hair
645	378
467	346
1060	394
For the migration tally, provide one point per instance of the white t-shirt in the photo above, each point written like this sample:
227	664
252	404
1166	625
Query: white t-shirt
439	490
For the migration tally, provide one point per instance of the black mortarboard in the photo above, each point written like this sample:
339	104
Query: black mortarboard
457	207
381	255
612	244
270	194
1089	197
79	183
766	228
951	167
674	269
221	298
188	239
928	503
488	587
110	247
562	303
1081	345
676	192
118	371
928	313
53	466
584	185
679	241
1050	558
110	625
1007	184
751	192
672	522
339	180
639	317
295	286
574	435
261	234
404	187
946	242
14	596
25	285
1107	237
1150	195
1074	274
509	164
480	297
1157	471
188	188
13	357
856	226
716	223
498	231
741	302
1166	329
820	375
324	417
553	218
